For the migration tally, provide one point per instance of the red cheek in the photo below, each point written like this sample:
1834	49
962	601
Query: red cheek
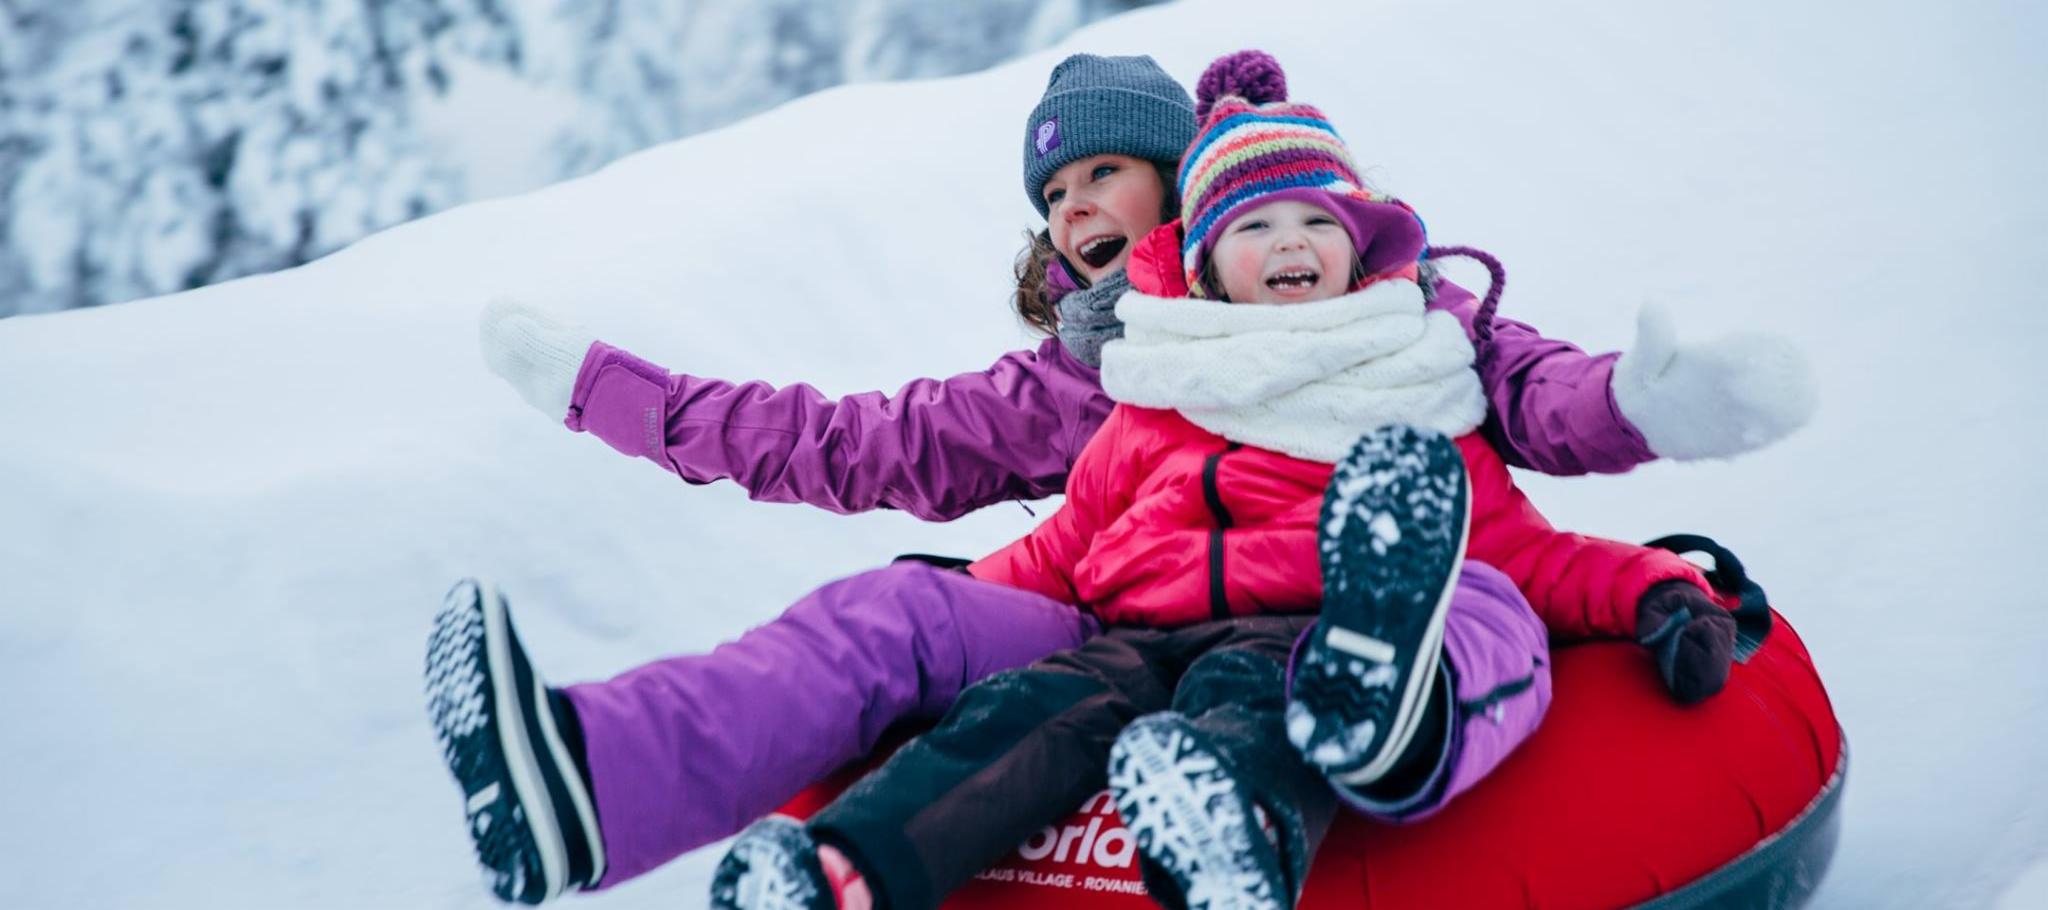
1244	264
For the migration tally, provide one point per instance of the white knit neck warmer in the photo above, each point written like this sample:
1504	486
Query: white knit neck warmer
1304	379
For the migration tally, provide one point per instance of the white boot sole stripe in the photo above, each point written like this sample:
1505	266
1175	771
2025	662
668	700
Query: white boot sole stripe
483	798
521	765
1359	645
572	780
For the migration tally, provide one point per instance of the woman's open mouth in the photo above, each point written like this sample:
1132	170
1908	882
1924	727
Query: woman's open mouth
1102	251
1294	280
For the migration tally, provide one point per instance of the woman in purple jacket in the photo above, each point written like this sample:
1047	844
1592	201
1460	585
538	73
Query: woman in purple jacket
582	787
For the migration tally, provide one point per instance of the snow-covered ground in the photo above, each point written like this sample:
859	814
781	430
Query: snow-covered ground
227	516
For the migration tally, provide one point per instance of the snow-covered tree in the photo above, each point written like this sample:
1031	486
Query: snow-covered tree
173	143
148	146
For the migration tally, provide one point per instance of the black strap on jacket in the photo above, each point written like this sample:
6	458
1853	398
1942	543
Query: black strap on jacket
953	563
1219	603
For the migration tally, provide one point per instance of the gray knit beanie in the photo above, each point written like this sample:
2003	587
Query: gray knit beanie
1104	105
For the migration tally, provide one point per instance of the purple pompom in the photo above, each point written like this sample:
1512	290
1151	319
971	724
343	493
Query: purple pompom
1252	75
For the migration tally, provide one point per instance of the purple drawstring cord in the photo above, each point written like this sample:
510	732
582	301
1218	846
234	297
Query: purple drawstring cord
1482	322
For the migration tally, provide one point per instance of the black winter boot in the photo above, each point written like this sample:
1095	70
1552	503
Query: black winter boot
773	865
1224	811
1194	819
515	750
1394	525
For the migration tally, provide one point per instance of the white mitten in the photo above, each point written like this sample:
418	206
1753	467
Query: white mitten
535	352
1711	400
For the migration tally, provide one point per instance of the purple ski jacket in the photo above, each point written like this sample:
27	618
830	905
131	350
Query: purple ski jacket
941	448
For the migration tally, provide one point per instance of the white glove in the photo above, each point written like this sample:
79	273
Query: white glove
1712	400
535	352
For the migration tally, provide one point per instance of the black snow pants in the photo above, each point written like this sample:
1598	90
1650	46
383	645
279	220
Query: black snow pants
1021	749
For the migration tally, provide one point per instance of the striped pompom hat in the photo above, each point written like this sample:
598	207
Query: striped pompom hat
1254	147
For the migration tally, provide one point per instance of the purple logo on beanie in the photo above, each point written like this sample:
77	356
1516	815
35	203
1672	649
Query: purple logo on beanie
1048	137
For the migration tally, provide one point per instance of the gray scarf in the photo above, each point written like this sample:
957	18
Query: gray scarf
1088	317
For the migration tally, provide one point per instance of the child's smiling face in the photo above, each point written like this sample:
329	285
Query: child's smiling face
1283	252
1101	206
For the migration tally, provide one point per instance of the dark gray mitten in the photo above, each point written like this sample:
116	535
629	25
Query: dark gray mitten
1689	635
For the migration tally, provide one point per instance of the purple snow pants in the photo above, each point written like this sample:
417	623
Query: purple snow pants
688	750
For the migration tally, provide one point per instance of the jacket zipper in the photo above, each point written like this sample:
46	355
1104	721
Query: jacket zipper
1488	703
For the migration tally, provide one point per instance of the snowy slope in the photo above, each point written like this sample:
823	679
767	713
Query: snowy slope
226	516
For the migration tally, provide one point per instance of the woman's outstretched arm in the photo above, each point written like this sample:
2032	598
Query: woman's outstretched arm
937	448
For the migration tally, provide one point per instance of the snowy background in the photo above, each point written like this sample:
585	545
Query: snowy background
226	516
151	146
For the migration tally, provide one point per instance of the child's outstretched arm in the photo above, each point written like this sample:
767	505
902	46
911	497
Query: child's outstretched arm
1584	586
1581	586
1556	409
1550	404
937	449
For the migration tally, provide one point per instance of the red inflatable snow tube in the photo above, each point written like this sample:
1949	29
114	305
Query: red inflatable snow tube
1622	799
